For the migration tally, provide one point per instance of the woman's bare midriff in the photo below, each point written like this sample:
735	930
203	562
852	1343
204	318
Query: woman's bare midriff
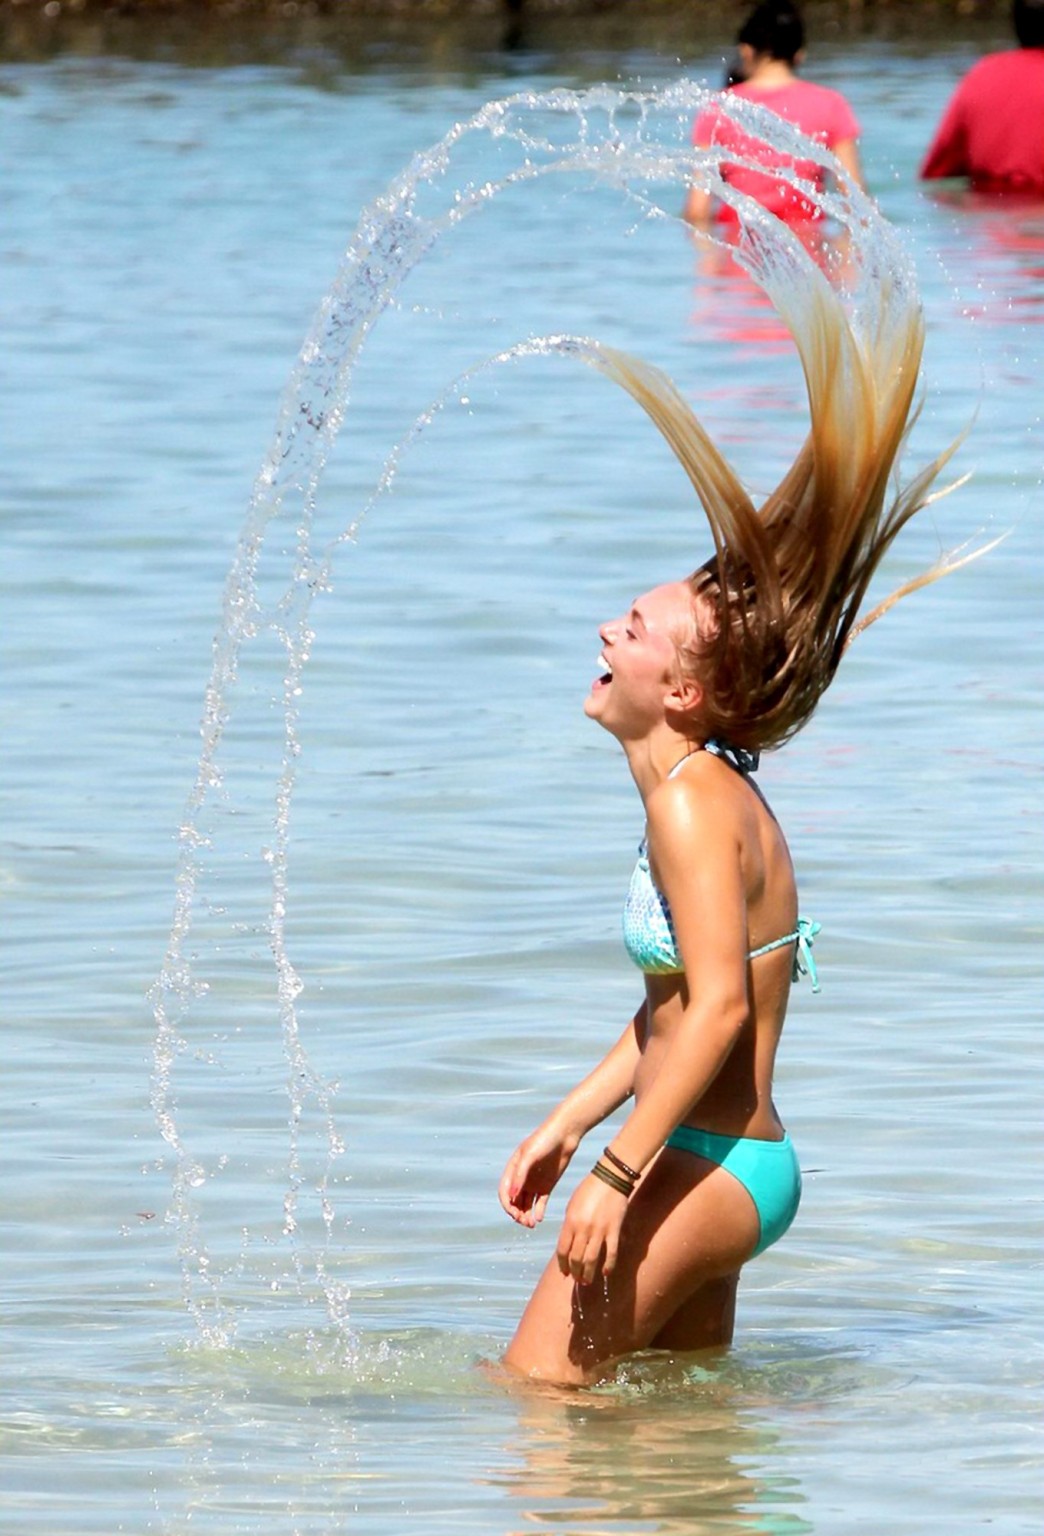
739	1101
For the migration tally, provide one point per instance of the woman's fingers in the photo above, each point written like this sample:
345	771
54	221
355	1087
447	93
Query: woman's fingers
507	1189
512	1191
590	1237
522	1203
580	1252
589	1265
532	1171
612	1248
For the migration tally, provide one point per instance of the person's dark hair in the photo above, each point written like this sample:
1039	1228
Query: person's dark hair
775	28
1027	17
734	73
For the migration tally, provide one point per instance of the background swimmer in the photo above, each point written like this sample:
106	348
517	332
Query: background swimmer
770	49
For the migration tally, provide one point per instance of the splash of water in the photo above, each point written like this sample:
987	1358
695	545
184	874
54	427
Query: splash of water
635	143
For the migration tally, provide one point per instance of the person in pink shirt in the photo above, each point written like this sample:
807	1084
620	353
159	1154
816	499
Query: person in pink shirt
993	129
771	46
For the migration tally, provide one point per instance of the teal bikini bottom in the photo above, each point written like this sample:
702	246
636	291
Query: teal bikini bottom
768	1171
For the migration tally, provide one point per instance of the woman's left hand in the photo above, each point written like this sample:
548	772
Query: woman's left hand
590	1235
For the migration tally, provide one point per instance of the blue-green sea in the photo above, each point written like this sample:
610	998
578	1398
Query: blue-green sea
275	1322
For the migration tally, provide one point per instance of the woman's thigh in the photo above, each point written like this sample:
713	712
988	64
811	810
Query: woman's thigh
689	1227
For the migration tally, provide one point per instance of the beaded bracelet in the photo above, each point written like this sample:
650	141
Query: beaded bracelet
629	1173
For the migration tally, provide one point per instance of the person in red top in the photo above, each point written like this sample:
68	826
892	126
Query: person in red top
993	129
771	45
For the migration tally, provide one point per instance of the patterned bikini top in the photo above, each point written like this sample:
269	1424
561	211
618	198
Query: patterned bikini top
648	928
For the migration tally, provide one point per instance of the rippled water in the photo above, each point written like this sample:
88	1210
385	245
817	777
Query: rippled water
460	839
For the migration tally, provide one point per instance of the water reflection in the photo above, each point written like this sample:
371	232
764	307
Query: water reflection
729	306
672	1449
1003	235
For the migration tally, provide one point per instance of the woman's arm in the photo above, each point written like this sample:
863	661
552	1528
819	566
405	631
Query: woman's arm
694	847
697	207
695	850
535	1166
699	204
847	152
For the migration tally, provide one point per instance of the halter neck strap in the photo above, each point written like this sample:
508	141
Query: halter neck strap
680	764
739	758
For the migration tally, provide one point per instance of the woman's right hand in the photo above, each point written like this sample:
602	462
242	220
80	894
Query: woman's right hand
533	1170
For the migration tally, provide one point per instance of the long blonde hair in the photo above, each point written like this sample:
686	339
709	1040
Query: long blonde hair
786	582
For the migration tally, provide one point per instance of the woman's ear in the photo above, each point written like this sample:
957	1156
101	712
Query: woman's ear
684	696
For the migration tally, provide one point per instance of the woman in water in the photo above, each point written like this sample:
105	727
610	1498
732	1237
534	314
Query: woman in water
697	677
771	44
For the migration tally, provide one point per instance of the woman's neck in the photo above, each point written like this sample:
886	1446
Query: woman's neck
654	758
768	74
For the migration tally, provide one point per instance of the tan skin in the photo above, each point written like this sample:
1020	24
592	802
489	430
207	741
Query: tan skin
660	1269
767	74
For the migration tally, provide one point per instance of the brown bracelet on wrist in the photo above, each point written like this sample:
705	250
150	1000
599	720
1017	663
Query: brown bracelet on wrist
620	1165
613	1179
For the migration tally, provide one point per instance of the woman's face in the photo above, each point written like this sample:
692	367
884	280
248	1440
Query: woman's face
639	660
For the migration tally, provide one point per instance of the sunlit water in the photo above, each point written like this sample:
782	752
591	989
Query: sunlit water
458	846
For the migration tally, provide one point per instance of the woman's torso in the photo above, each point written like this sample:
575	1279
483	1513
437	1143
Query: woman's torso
739	1101
819	112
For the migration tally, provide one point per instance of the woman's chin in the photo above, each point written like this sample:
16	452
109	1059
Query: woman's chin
595	708
593	702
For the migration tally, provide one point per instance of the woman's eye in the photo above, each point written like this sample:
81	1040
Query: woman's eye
629	633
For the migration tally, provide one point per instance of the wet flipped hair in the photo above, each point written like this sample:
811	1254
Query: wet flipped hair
784	587
774	28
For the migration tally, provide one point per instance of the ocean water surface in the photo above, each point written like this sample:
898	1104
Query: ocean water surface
278	1324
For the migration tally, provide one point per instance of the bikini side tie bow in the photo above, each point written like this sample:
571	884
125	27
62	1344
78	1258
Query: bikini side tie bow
804	963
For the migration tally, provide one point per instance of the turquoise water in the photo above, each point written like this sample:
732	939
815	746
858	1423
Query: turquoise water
458	848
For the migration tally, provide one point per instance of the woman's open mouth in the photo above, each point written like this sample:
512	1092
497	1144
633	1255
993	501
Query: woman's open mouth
604	678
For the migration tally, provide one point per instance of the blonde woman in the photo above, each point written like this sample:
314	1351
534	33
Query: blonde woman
697	677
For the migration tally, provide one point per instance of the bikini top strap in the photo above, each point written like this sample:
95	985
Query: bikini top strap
680	764
804	961
803	937
744	762
739	758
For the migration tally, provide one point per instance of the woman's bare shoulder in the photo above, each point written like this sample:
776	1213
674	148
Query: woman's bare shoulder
701	803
